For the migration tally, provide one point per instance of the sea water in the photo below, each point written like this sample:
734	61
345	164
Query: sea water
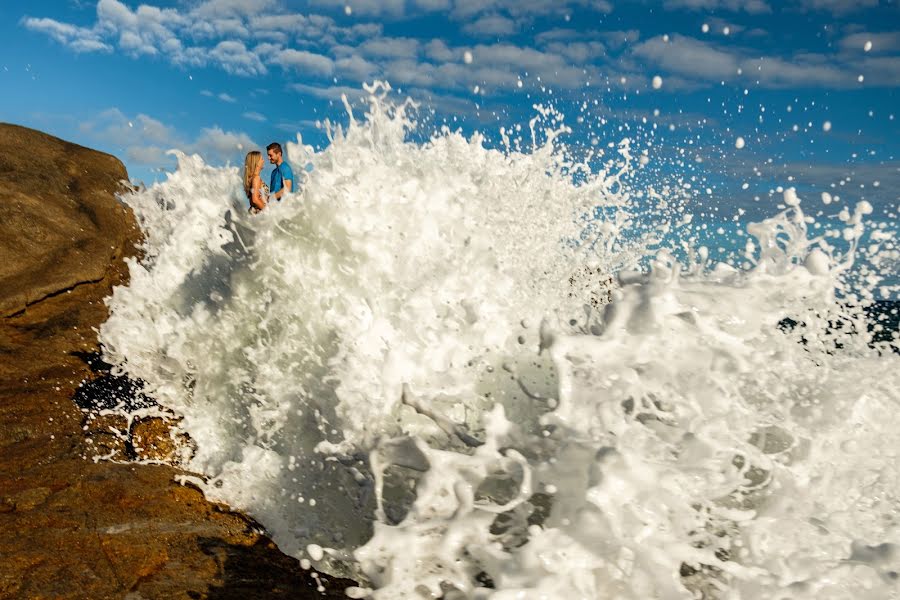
462	372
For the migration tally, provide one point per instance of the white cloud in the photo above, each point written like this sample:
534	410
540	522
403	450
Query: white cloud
332	93
688	56
368	8
462	9
315	28
753	7
880	70
391	47
151	156
293	23
254	116
489	25
601	6
559	34
702	62
577	52
231	8
809	71
223	34
219	28
433	5
113	126
250	39
216	145
616	40
116	15
438	50
134	45
141	32
881	42
357	68
80	39
506	55
234	57
411	72
363	30
218	33
89	45
837	7
304	61
494	66
144	141
466	9
719	26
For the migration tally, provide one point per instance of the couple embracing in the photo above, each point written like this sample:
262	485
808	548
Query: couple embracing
281	182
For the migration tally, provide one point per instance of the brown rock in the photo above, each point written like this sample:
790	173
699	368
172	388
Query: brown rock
106	446
62	225
106	423
28	499
107	436
71	527
152	440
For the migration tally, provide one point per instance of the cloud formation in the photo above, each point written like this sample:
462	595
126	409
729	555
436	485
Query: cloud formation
753	7
702	62
144	140
337	49
837	7
79	39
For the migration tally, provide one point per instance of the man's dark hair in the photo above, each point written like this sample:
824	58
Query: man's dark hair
274	146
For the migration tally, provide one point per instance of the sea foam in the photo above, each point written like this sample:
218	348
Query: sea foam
452	371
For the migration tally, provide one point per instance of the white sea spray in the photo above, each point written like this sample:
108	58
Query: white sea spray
409	373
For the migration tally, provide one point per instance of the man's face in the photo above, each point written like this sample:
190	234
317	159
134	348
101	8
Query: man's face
274	156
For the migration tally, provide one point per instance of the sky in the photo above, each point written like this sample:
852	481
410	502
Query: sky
738	96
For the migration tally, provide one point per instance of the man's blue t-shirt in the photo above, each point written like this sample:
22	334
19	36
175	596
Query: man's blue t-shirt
281	172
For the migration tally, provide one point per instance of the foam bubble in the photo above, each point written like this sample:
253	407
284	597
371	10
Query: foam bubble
816	262
790	197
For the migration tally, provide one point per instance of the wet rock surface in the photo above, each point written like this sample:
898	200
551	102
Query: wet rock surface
71	526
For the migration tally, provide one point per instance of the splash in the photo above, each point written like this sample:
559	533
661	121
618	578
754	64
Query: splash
419	372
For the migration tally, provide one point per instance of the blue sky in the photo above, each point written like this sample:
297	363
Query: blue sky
811	86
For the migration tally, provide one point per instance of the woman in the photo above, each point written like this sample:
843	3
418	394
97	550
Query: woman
257	191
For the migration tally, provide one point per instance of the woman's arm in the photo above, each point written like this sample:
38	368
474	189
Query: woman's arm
256	198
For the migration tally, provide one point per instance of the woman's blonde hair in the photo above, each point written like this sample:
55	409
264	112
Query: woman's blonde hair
251	164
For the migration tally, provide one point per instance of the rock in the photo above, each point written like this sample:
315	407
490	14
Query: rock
62	225
106	423
152	440
28	499
71	527
107	436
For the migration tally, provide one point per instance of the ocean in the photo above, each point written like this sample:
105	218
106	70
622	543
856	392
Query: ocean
455	371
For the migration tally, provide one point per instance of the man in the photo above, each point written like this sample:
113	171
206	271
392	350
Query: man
282	177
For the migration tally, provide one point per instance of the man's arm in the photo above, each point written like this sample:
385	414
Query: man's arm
285	189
